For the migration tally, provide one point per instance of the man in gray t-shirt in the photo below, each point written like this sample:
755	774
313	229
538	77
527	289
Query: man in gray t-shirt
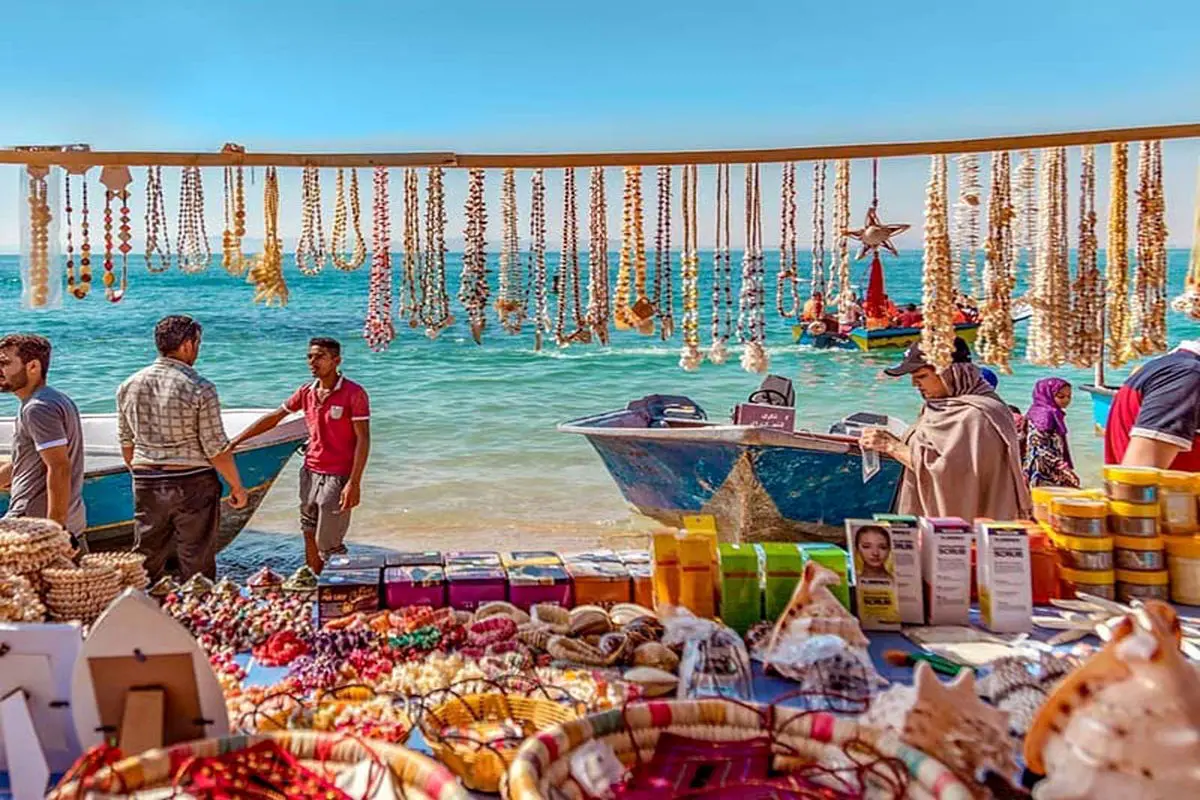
45	476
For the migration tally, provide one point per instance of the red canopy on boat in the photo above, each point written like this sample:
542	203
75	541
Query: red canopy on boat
875	304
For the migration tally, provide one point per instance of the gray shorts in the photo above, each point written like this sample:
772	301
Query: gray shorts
320	511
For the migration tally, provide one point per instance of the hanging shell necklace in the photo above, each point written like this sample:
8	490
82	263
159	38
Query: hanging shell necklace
116	182
378	329
84	286
310	249
266	273
599	310
841	242
937	336
752	298
1119	343
1189	301
568	283
689	272
510	305
232	258
817	286
412	281
722	285
1150	286
789	264
473	292
664	297
543	325
1051	279
192	244
158	239
966	224
996	327
435	299
338	240
40	217
1087	337
633	259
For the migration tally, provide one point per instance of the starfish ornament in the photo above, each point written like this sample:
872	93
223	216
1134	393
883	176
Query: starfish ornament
875	234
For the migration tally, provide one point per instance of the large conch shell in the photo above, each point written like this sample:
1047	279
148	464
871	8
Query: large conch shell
814	610
1127	722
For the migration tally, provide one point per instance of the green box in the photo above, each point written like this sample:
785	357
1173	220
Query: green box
780	567
741	595
832	557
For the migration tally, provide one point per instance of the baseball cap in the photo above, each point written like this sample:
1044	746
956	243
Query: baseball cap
913	360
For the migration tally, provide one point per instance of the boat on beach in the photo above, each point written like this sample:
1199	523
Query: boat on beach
108	486
762	484
1102	400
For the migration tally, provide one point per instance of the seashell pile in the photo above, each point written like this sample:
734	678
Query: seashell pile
130	565
80	593
19	601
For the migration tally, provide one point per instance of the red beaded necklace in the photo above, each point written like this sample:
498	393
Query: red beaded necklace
80	289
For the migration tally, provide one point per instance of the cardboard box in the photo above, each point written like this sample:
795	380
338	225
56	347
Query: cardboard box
355	561
740	592
341	593
469	585
780	567
423	585
665	555
529	584
1005	577
906	558
599	582
874	574
946	569
831	557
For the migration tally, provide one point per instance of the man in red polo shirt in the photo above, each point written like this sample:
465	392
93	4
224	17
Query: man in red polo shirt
339	440
1155	417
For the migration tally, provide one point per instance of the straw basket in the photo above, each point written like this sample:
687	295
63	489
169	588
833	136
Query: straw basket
416	777
799	738
481	765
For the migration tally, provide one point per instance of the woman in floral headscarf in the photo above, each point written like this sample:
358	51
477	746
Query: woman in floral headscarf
1047	452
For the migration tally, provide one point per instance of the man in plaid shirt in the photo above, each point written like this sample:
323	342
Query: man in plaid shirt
172	438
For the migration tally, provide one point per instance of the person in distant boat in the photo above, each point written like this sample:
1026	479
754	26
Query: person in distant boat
1155	416
962	456
173	440
338	414
45	476
1047	454
910	317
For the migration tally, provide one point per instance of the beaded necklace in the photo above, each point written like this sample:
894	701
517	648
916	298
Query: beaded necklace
568	283
266	273
664	298
1150	286
435	300
116	182
789	264
841	242
84	286
752	297
1189	301
817	286
378	329
722	284
1025	208
338	236
689	270
192	244
411	281
473	292
234	204
158	240
1051	278
510	304
1087	337
937	335
1118	343
599	310
996	326
639	315
966	224
40	217
310	249
543	325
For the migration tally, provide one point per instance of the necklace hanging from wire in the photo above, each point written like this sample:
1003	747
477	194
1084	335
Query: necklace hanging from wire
543	325
310	249
338	237
568	283
599	311
752	330
873	236
194	252
690	357
996	339
473	292
379	330
640	313
232	258
664	297
722	284
435	298
967	208
510	305
1189	301
266	271
814	312
158	239
411	279
116	182
1150	280
78	290
788	280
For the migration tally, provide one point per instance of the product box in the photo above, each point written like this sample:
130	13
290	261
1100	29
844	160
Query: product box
906	558
946	569
472	558
697	577
740	592
665	557
529	584
634	557
1005	577
642	576
423	585
343	592
470	586
599	582
831	557
355	561
874	574
548	557
780	567
424	558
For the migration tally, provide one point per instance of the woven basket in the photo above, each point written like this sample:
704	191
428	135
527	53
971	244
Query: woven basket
541	768
416	777
482	766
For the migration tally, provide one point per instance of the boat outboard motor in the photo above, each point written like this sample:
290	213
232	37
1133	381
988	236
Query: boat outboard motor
774	391
661	408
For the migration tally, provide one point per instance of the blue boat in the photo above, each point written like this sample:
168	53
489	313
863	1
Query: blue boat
761	484
1102	400
108	486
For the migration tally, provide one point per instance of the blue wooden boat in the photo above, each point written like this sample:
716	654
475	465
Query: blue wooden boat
1102	400
761	484
108	486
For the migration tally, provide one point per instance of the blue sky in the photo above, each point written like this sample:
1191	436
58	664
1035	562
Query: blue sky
531	76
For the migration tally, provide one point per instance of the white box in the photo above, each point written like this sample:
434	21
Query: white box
1005	578
906	559
946	569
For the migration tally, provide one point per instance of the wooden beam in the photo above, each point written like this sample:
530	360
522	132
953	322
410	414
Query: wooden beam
100	158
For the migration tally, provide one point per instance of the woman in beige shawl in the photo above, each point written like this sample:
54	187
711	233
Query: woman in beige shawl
962	457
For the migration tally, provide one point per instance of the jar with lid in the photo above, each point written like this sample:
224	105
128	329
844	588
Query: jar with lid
1177	498
1132	519
1099	583
1078	516
1142	553
1087	553
1183	566
1133	585
1131	484
1042	496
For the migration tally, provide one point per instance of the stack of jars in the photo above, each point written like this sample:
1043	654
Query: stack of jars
1178	497
1133	520
1078	523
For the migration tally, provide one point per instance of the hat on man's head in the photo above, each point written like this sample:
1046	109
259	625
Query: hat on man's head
913	360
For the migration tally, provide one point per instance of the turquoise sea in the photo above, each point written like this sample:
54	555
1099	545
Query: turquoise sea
465	449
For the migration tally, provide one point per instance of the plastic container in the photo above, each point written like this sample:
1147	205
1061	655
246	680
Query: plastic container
1043	567
741	595
1142	553
1132	519
531	584
1078	516
1085	552
1142	585
1177	500
414	586
1043	496
472	585
599	582
1100	583
1183	565
1131	484
665	559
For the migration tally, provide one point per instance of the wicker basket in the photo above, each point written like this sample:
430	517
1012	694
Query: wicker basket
481	766
416	777
541	768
